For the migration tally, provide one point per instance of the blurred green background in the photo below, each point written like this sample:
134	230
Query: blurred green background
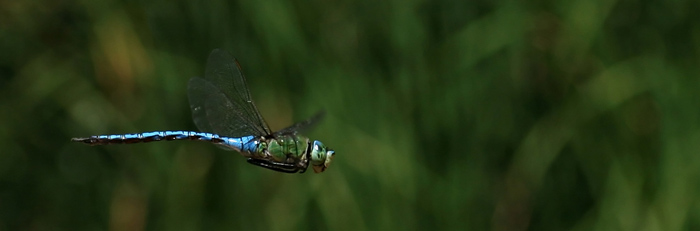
449	115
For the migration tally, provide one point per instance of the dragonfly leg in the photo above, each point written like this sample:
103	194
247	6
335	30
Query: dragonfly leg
280	167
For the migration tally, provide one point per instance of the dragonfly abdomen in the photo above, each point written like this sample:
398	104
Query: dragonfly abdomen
145	137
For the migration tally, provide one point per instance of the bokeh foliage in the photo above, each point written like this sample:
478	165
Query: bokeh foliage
464	115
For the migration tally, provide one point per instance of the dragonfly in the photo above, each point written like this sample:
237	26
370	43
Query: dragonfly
226	116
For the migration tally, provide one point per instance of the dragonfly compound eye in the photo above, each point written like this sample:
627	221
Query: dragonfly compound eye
320	157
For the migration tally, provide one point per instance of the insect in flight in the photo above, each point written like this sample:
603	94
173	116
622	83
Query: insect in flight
225	114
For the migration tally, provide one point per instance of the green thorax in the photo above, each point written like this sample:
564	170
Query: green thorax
290	149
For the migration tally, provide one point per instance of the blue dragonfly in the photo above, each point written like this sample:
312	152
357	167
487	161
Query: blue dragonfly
225	114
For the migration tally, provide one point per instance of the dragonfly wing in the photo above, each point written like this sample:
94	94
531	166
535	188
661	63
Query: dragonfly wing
213	112
303	125
224	72
221	102
197	95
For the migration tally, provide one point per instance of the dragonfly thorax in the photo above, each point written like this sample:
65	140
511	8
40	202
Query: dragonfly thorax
294	150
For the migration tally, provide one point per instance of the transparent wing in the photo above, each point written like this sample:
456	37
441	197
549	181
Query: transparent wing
221	102
303	125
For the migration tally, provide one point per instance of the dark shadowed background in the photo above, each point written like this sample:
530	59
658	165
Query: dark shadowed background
454	115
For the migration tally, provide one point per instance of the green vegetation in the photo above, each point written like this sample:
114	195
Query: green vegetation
459	115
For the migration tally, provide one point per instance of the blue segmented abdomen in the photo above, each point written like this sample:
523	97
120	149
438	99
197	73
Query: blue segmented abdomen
236	143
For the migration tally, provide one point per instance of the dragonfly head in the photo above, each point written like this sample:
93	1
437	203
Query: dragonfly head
321	156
